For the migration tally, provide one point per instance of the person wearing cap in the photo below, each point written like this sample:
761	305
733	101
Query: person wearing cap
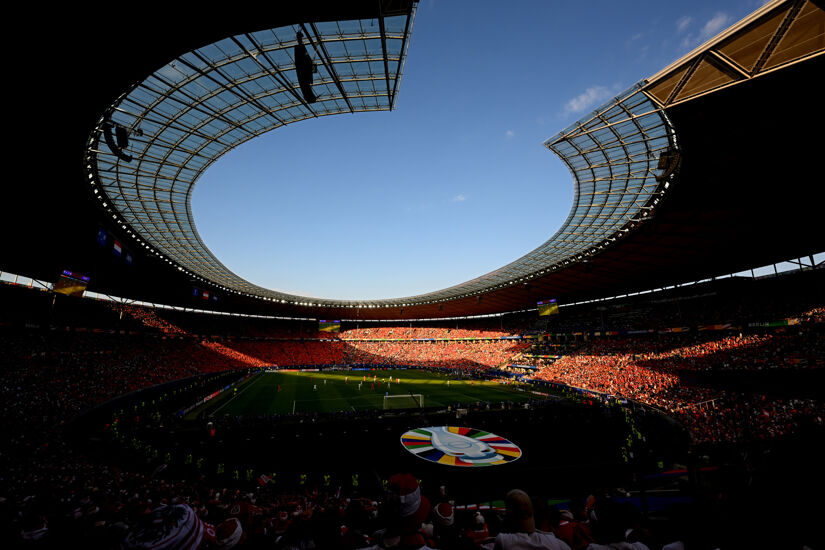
571	531
520	527
405	510
478	532
443	529
229	534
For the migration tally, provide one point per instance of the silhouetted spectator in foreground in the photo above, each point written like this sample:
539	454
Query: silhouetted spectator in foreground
520	526
610	524
405	510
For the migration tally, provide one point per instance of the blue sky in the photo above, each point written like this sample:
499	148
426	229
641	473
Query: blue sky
455	182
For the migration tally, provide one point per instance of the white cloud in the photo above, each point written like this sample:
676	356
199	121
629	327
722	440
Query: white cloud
683	22
715	24
710	29
509	134
458	198
589	98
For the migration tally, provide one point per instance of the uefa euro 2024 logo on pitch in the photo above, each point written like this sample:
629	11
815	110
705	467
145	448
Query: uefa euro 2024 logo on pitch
457	446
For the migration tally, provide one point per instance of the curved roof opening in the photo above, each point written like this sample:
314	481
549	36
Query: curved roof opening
207	102
353	220
623	156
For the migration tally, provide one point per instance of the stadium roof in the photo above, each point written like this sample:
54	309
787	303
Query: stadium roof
671	183
206	102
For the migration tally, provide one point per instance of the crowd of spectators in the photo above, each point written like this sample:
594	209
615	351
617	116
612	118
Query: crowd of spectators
814	315
235	326
418	332
107	507
58	374
55	375
460	355
50	494
148	318
288	352
647	370
52	378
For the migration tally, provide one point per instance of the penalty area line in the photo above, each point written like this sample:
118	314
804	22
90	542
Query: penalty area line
219	409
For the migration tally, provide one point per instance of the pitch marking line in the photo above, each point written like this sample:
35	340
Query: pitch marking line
235	396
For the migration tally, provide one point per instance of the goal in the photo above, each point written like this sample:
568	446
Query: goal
401	401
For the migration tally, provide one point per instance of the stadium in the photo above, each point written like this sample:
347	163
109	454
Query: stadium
651	373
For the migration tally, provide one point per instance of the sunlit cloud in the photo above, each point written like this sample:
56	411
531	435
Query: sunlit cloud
710	29
509	134
458	198
683	22
589	98
716	23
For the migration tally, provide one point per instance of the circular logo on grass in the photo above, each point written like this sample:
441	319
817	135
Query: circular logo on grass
456	446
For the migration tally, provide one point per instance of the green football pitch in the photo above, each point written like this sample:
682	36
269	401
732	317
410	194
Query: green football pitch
306	392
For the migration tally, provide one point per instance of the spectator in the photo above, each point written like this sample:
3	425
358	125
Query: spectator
521	531
610	525
404	512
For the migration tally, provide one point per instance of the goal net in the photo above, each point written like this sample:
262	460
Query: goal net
402	401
